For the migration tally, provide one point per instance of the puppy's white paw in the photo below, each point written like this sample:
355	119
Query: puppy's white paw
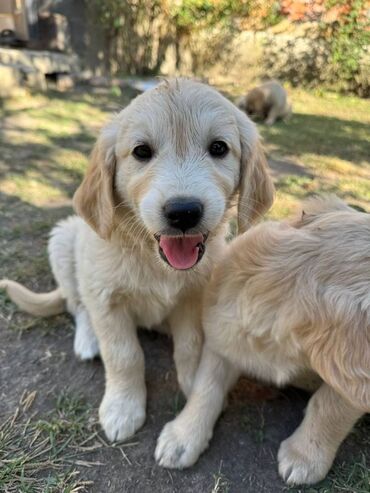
179	447
85	345
85	348
121	416
303	462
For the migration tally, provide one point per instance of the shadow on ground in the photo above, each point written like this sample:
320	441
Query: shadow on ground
323	135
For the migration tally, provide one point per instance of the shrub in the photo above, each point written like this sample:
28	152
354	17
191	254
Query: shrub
348	37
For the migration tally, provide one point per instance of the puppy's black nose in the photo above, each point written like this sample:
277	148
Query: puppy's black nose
183	213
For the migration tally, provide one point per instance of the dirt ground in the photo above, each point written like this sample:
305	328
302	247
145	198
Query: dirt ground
50	440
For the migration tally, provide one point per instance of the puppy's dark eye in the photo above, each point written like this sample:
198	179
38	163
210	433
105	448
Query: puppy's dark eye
143	152
218	148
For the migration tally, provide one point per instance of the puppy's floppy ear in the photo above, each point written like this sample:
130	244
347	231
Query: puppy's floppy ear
256	189
94	198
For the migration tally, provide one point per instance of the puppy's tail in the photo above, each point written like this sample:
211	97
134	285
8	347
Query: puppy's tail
38	304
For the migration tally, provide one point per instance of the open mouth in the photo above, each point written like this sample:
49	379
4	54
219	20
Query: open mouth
182	252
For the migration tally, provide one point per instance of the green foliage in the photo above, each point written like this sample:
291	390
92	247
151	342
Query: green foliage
197	14
349	36
113	13
189	14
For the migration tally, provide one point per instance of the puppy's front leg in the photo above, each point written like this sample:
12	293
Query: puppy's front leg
184	439
187	336
122	410
307	455
272	116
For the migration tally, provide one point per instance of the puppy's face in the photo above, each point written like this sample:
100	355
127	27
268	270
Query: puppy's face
255	106
177	163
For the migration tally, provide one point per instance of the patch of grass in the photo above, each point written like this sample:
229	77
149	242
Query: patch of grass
346	477
45	140
50	454
328	135
31	189
43	455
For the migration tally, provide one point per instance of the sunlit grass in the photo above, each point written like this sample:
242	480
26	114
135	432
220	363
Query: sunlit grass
46	140
31	189
329	135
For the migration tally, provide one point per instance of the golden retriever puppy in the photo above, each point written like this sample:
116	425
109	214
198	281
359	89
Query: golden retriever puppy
153	208
286	299
267	102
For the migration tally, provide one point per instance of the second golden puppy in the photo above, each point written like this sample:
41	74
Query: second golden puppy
287	299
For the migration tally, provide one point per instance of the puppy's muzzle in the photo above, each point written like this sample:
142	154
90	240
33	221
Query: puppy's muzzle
182	244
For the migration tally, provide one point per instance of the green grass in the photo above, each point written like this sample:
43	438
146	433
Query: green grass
50	454
329	135
345	477
45	142
45	455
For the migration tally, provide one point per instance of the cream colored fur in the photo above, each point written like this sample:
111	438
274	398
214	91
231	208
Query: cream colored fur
287	299
106	262
267	102
40	305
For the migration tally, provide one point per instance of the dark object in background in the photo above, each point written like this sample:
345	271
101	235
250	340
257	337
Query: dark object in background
53	32
9	38
23	25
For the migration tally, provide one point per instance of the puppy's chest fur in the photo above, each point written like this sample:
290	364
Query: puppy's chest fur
254	339
114	274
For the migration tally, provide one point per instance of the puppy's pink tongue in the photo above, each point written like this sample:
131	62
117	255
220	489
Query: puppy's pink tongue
181	251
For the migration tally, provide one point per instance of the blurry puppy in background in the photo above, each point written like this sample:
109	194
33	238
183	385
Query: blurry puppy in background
267	102
287	299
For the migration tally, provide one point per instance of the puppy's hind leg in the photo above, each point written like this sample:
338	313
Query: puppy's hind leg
85	343
63	263
307	455
61	249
